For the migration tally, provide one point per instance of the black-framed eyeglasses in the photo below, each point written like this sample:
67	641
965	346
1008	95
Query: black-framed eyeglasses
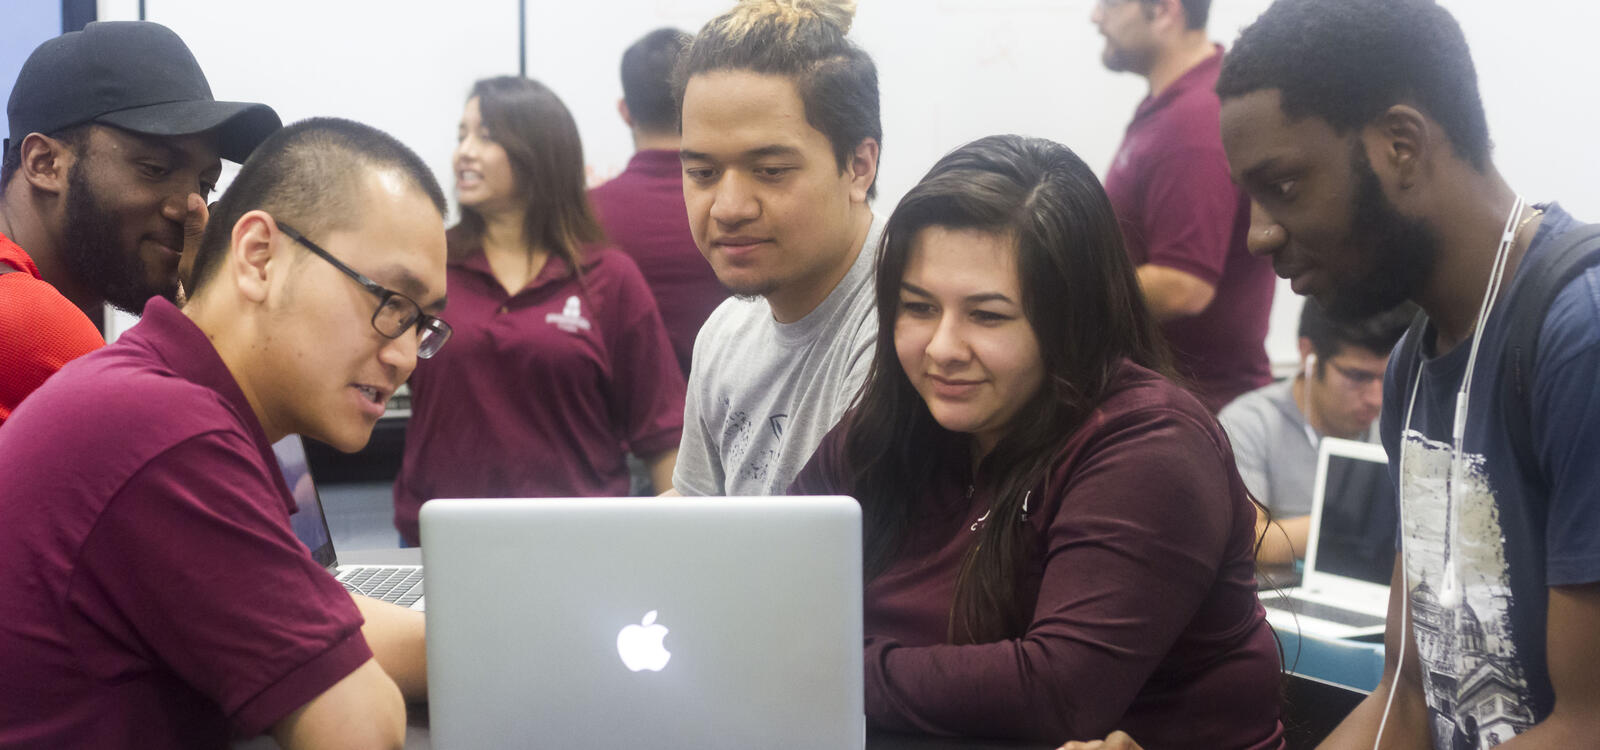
1356	378
396	312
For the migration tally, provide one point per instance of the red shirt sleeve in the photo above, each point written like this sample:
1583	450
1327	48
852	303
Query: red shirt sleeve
39	332
1142	521
1189	207
193	570
647	387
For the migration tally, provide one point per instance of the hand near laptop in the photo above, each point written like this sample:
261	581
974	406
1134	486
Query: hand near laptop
397	637
1115	741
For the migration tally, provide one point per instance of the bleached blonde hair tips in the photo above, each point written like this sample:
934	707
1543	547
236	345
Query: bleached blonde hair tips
789	15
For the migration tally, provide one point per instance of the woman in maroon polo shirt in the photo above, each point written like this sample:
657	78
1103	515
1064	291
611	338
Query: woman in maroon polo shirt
559	365
1057	542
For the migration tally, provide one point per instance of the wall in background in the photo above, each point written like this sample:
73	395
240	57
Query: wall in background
27	22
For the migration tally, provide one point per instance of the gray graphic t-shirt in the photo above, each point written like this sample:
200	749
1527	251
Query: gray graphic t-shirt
763	393
1483	542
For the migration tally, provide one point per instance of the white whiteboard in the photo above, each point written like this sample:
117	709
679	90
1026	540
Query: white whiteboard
950	71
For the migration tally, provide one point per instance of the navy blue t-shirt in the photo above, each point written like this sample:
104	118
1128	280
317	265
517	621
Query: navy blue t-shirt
1480	558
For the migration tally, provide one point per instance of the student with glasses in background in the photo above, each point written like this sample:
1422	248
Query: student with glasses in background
1277	429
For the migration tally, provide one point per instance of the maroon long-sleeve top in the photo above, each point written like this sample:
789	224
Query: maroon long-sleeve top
1145	616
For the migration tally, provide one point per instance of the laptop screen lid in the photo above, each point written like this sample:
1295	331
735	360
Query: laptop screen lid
309	521
1350	552
645	622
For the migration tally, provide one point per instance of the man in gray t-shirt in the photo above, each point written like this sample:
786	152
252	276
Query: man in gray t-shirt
768	391
777	177
1276	429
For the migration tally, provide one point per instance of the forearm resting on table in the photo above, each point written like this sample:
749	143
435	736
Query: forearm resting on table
661	466
361	711
1173	294
397	637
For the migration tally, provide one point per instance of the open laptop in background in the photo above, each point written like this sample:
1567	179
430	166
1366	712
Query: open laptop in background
645	622
1344	591
397	584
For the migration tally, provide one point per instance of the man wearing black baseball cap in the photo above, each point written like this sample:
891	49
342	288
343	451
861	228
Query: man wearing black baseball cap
114	145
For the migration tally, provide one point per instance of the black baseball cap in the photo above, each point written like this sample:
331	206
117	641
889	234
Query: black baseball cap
134	75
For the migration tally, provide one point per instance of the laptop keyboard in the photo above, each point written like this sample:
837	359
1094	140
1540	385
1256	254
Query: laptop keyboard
396	584
1319	611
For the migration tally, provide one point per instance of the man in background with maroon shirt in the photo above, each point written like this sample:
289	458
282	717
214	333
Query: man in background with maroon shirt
1182	217
642	209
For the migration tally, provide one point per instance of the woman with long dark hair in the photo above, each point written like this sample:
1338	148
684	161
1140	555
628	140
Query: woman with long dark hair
1057	543
559	365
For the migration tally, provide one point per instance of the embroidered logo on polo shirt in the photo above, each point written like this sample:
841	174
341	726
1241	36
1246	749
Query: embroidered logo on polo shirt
570	319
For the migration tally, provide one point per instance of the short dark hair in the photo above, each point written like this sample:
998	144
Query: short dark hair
75	137
309	174
1377	334
1196	13
1346	62
647	79
803	40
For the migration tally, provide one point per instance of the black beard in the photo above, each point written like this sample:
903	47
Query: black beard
92	251
1403	251
1119	60
752	292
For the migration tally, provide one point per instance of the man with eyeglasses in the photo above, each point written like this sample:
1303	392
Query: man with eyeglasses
1276	430
1183	219
155	593
114	145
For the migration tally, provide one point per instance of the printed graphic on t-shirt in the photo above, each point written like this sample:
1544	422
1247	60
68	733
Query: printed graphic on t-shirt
739	435
736	435
570	319
1460	592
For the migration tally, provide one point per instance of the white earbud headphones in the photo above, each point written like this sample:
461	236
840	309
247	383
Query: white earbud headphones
1311	432
1458	429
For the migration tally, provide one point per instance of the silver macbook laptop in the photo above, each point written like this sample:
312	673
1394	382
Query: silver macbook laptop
1344	592
645	622
397	584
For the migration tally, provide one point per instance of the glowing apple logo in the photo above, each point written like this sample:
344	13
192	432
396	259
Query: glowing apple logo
640	645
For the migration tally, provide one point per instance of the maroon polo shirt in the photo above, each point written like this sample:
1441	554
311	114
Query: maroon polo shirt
1140	583
643	214
540	393
1179	209
154	593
